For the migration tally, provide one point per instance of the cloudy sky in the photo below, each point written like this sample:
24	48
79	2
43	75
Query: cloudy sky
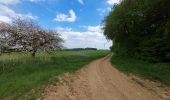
78	21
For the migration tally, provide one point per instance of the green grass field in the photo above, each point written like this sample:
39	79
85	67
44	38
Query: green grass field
19	73
158	71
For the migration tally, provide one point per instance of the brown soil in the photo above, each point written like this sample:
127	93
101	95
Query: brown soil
156	87
98	81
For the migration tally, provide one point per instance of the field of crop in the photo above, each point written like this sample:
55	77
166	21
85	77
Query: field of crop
153	71
20	73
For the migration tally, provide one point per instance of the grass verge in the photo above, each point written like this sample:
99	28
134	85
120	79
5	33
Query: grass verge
158	71
19	73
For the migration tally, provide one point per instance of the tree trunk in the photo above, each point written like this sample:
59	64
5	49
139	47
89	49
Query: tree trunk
33	54
1	51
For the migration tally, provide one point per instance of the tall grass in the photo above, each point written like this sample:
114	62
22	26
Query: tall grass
20	73
153	71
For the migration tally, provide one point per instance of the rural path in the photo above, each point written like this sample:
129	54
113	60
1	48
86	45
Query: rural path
97	81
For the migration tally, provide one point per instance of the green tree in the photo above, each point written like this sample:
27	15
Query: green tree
140	29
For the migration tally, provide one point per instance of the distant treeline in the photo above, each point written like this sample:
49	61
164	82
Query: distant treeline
79	49
140	29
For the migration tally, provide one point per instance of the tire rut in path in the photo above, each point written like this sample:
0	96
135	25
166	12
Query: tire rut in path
97	81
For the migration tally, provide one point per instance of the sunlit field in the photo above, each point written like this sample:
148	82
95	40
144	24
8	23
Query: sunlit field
22	76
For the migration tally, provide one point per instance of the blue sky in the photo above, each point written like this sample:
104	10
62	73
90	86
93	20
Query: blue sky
79	22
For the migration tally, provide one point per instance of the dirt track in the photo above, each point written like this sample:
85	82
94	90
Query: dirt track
97	81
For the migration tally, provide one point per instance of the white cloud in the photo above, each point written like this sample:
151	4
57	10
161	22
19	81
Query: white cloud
81	2
97	28
7	13
101	11
27	16
37	0
68	18
112	2
109	9
4	10
5	19
10	2
91	37
61	29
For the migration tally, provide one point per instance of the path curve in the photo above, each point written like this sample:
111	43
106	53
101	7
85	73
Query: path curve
97	81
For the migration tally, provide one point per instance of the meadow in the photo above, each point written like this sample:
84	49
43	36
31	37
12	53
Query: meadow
20	73
152	71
